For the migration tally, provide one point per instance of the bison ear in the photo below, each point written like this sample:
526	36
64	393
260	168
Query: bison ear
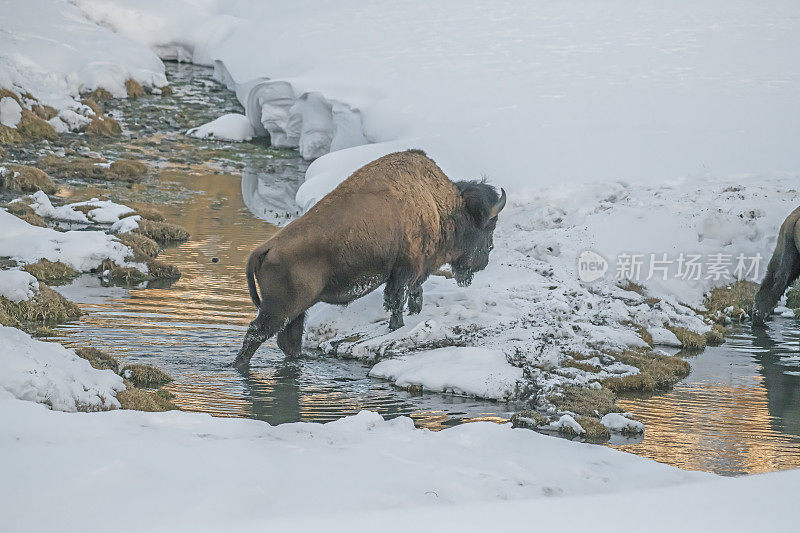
475	203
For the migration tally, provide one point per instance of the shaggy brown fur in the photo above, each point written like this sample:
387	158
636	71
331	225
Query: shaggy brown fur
783	269
394	221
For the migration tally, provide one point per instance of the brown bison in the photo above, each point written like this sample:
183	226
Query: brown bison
783	269
394	221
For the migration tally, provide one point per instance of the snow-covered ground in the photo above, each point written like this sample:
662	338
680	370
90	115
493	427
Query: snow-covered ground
51	52
644	128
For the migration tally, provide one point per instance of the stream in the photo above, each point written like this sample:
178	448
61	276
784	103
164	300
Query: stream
737	412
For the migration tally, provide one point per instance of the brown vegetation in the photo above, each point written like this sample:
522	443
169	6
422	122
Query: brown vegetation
656	372
128	170
133	89
162	232
145	376
52	273
24	178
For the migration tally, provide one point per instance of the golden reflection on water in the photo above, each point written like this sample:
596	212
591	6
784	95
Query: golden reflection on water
733	421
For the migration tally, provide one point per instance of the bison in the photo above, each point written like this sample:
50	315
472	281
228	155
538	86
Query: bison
394	221
783	269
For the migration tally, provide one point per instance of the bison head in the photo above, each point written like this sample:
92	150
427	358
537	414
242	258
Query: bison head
482	205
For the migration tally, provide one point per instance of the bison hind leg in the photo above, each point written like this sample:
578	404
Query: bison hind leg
260	329
415	300
290	338
394	299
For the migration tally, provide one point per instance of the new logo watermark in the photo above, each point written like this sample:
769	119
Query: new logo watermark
591	266
637	267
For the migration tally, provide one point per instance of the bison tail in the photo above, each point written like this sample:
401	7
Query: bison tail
253	264
783	269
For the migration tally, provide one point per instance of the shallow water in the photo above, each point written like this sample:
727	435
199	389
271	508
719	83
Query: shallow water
737	412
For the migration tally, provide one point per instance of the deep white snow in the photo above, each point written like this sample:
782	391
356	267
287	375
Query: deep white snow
17	285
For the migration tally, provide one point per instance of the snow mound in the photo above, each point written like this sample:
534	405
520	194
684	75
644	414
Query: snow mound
49	50
10	112
230	127
620	422
479	372
288	470
17	285
48	373
82	250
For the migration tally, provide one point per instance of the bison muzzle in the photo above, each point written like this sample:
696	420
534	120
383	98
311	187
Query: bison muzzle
394	221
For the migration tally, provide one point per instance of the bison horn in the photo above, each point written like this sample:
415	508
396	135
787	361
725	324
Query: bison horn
501	203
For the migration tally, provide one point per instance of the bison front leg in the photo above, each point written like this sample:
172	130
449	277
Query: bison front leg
290	338
415	300
394	299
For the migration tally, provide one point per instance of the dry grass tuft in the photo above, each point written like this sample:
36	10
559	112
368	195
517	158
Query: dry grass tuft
136	399
656	372
128	170
133	89
46	308
690	341
93	104
162	232
529	419
25	212
44	112
82	168
98	359
716	336
583	401
33	128
581	365
5	93
166	90
24	178
738	296
103	126
628	285
159	270
595	431
145	376
143	247
99	95
9	135
51	273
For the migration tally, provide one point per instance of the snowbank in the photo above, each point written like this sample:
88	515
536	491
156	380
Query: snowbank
82	250
49	50
17	285
539	93
48	373
261	472
473	371
230	127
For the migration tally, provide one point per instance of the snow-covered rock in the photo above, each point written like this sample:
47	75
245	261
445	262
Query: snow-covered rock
479	372
48	373
17	285
230	127
10	112
620	422
82	250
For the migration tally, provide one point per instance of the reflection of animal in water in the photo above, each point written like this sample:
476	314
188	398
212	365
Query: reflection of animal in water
394	221
783	269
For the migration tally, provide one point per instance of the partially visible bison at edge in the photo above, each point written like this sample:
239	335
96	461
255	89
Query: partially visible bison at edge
394	221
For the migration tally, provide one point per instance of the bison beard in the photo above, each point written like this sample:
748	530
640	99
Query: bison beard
395	221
